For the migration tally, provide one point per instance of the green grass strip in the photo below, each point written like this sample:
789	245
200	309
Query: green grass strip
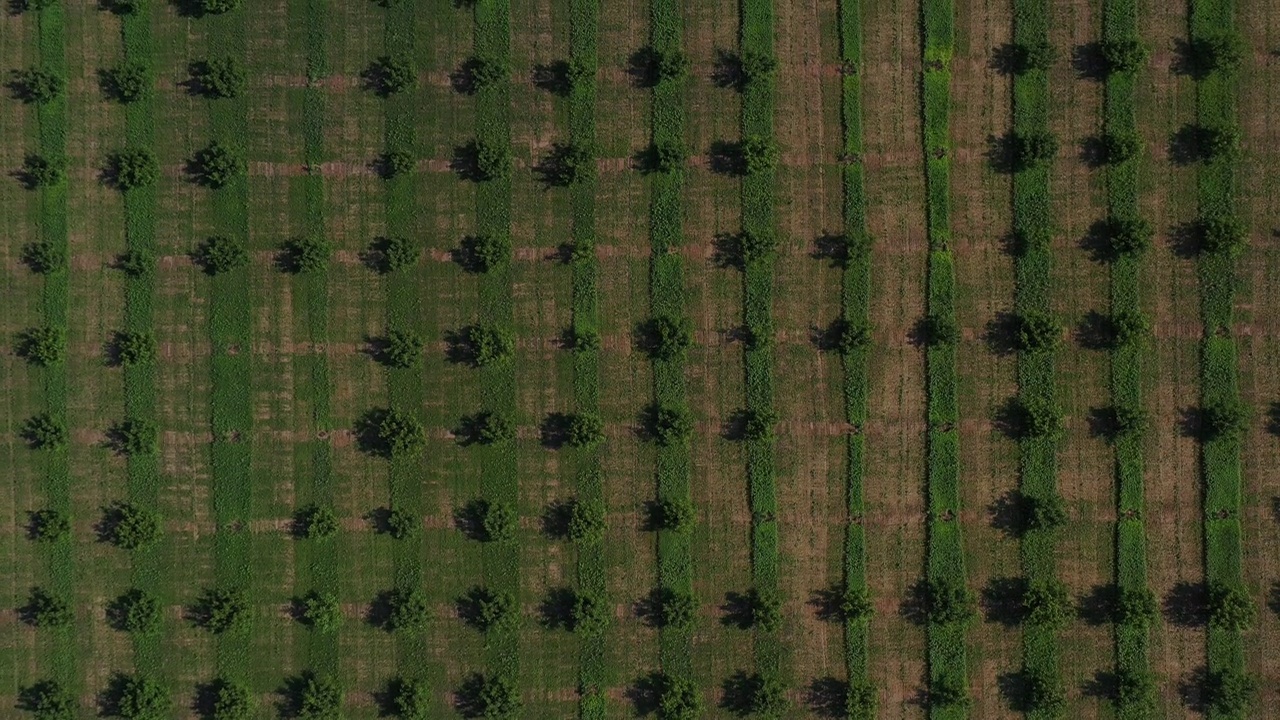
51	142
1219	378
230	364
666	297
756	37
947	655
498	479
317	563
593	669
1120	23
406	389
143	471
855	303
1032	214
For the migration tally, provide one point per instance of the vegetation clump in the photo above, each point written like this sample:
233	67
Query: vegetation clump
948	602
675	515
133	347
44	258
308	254
44	432
134	437
487	252
47	700
319	611
390	75
668	337
315	522
48	525
400	349
131	527
217	164
37	86
46	610
1230	607
758	154
488	344
39	171
486	609
584	430
42	346
586	520
228	700
390	433
1124	56
221	610
670	424
407	610
134	611
133	168
220	77
139	697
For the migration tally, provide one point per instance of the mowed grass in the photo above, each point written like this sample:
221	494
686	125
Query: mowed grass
302	417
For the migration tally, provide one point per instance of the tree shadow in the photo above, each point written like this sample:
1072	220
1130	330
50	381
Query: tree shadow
465	162
1104	685
1001	333
1095	331
468	698
554	169
827	697
728	72
1001	601
1011	420
458	347
1192	690
469	429
1098	607
553	77
1191	422
109	700
1007	59
834	248
1273	418
555	519
643	693
642	67
555	612
1015	690
737	693
1089	62
1008	514
379	613
1000	154
1187	605
734	427
1187	145
469	519
463	78
915	606
826	603
188	8
725	158
377	256
737	610
1093	152
1190	59
1185	240
1104	423
554	431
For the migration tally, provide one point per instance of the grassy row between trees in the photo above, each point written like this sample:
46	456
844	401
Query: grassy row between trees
499	484
946	578
143	471
666	298
406	386
317	563
758	219
855	304
57	652
1214	41
1133	665
593	668
230	341
1036	337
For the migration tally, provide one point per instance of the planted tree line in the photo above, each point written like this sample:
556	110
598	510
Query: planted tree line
948	600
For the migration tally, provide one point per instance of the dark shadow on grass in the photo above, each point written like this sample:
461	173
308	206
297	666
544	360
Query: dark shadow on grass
1187	605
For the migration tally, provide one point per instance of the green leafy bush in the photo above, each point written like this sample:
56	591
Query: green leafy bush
390	75
315	522
1047	603
319	611
39	171
1137	607
948	602
133	168
1221	235
217	164
488	428
228	700
948	691
670	424
676	515
396	163
42	346
588	614
389	254
582	251
1229	693
410	698
672	608
134	437
1218	52
407	609
861	701
584	339
1044	694
487	252
753	247
139	697
217	7
665	157
316	697
493	696
853	605
497	521
389	432
757	67
1230	607
134	611
133	347
48	525
220	77
486	609
1223	419
1135	689
668	337
1218	142
677	697
764	610
1120	147
486	72
758	425
586	520
670	66
44	432
489	344
401	525
1044	512
130	527
127	82
845	337
569	164
400	349
1038	418
221	610
46	610
1037	332
136	263
492	162
1124	56
33	85
1023	58
307	254
1032	150
759	155
47	700
44	258
1129	328
939	330
758	334
584	430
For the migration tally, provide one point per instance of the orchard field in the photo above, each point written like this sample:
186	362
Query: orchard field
621	358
